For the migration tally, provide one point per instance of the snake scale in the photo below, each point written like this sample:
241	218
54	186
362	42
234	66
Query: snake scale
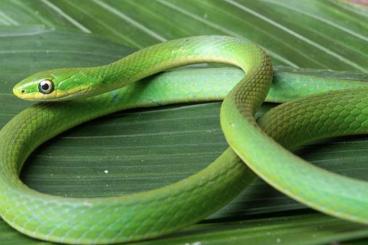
71	96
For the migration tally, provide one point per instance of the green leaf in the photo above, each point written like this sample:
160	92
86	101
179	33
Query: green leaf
151	148
315	34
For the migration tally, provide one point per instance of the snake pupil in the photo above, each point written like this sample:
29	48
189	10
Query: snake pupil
45	86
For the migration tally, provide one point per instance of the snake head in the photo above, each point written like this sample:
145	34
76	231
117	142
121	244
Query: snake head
54	85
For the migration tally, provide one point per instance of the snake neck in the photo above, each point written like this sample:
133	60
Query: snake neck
175	53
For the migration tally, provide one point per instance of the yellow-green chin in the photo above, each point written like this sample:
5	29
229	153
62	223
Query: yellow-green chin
54	96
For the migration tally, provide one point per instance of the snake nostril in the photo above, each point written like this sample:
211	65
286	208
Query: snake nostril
23	91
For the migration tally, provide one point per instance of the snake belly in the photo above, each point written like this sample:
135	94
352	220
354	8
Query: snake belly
156	212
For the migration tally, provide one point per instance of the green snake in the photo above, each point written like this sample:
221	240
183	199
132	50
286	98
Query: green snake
72	96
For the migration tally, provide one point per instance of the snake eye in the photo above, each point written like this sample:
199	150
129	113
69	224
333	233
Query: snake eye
46	86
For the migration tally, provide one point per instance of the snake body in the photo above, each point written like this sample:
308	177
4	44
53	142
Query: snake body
156	212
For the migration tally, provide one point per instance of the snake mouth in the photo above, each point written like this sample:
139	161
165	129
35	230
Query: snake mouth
21	93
